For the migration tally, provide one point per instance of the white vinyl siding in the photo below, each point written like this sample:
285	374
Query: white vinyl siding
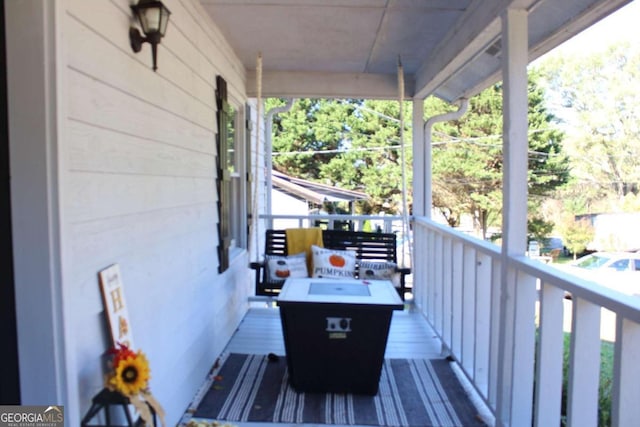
134	158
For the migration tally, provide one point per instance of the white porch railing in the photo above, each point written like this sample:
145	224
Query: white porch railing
386	223
486	307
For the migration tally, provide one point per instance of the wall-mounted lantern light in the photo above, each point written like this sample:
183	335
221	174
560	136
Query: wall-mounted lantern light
153	17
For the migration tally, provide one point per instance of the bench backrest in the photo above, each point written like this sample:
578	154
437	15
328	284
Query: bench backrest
275	242
368	246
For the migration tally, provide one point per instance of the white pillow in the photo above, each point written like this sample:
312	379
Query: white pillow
379	270
332	263
279	267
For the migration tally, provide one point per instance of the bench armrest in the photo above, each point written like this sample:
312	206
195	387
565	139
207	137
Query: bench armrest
403	272
264	287
259	268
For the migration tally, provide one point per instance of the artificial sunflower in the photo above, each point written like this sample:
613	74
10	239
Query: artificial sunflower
131	374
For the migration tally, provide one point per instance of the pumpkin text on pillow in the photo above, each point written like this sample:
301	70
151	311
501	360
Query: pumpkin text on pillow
280	267
332	263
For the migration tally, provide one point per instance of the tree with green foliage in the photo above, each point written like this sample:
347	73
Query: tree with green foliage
355	144
351	144
308	136
538	228
595	96
372	155
576	235
467	157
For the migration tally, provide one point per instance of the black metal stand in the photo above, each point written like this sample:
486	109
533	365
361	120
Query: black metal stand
103	401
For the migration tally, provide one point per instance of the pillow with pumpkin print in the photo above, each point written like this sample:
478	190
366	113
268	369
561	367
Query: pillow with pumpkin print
332	263
278	267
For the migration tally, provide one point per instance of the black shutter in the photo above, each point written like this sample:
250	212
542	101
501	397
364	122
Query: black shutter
223	180
249	186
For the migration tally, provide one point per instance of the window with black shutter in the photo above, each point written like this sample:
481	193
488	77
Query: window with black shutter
223	178
233	158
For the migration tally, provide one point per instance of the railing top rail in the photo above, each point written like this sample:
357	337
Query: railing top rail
618	302
479	244
343	217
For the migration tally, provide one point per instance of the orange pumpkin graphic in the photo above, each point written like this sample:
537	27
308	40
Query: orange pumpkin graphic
283	273
337	261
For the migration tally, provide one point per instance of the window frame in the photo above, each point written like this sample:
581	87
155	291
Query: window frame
231	182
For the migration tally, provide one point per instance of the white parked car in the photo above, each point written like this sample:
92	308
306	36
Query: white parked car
616	270
609	261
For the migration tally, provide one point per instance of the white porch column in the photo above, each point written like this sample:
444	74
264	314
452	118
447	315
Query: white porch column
516	345
515	129
34	104
421	162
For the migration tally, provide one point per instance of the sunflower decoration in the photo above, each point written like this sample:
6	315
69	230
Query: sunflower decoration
130	376
131	373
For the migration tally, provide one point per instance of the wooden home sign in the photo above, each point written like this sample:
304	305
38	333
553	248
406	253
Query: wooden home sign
115	306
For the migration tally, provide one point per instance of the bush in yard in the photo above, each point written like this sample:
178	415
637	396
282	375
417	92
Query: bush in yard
606	381
605	384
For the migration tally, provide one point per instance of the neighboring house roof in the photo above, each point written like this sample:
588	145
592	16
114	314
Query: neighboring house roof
313	191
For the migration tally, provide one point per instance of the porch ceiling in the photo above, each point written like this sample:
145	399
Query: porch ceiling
350	48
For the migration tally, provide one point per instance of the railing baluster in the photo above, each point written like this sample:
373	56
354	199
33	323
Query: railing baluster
550	351
468	309
456	310
483	321
584	367
506	336
524	349
447	290
438	284
495	332
626	390
419	243
431	277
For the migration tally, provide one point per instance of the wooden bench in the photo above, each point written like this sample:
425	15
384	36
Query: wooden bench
368	246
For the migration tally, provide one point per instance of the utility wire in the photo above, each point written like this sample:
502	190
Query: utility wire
391	147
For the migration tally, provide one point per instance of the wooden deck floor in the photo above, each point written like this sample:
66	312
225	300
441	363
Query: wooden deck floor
260	332
410	336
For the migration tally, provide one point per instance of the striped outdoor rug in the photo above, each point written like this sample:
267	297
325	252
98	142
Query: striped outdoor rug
413	393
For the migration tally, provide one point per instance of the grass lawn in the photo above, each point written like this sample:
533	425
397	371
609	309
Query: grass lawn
562	259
